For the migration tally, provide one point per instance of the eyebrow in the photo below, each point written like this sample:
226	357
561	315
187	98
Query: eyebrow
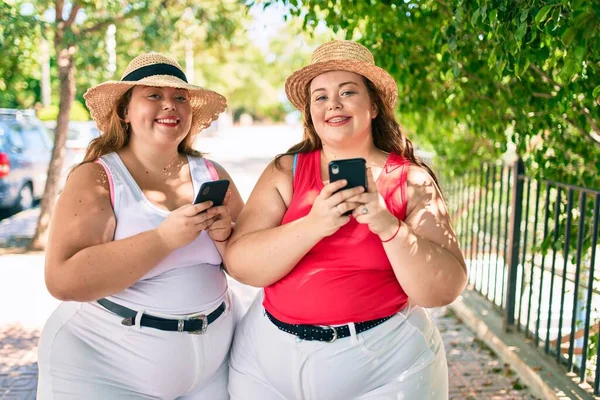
163	88
339	86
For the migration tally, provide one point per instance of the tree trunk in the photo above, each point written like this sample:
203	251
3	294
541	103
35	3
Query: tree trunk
66	74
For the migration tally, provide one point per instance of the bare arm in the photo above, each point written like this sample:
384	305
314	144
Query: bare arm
425	253
234	203
83	263
261	250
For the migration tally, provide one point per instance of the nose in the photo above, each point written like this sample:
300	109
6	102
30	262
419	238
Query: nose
168	104
334	103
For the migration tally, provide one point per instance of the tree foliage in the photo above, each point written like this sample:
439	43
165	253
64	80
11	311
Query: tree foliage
78	31
19	76
476	77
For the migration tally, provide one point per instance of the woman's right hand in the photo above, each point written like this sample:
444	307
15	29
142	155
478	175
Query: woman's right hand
327	212
184	224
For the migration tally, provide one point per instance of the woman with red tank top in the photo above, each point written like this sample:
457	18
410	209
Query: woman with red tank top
342	312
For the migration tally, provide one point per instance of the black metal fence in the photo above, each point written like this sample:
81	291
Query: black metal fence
531	248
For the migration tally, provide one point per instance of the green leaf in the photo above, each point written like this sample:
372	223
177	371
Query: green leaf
570	35
596	91
475	17
521	31
493	16
524	15
542	14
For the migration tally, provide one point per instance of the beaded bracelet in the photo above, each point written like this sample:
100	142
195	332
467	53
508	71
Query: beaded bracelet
394	235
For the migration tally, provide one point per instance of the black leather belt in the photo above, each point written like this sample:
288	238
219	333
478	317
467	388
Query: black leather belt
195	325
323	334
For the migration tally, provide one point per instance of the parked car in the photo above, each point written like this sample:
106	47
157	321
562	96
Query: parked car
25	152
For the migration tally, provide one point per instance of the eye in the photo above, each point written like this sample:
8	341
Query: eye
153	96
181	98
319	98
348	93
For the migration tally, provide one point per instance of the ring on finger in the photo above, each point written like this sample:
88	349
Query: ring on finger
364	210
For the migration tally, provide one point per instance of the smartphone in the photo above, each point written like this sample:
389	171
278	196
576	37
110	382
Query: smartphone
353	170
214	191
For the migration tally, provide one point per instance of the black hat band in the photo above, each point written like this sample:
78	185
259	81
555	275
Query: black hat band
154	69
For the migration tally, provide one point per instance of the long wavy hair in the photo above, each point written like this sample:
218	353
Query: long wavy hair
117	135
387	135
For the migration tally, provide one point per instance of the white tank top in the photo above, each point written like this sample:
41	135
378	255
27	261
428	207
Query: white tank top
190	279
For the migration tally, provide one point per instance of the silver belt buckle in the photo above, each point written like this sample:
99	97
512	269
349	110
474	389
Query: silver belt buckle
335	334
204	325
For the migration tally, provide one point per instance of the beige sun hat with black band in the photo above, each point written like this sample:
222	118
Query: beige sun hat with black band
340	55
154	69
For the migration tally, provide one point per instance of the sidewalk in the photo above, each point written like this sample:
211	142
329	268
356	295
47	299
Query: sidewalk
474	371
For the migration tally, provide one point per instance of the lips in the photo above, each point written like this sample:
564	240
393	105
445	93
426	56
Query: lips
169	121
337	119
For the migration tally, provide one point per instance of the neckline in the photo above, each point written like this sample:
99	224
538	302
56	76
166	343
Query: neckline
317	164
140	192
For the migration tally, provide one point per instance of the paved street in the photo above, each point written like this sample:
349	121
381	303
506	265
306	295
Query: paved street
475	372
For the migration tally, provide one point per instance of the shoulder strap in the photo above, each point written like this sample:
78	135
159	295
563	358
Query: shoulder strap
294	165
211	170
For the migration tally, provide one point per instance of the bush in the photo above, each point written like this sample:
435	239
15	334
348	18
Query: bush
78	113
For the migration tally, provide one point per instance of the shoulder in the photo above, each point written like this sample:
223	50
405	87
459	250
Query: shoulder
218	167
88	184
89	175
418	176
421	188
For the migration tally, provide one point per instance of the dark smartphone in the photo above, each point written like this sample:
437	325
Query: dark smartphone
353	170
214	191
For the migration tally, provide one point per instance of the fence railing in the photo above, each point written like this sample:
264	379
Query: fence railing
531	249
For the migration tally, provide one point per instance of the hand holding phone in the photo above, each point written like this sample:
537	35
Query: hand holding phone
214	191
353	170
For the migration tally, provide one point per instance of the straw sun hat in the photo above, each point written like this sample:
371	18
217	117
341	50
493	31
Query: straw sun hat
340	55
153	69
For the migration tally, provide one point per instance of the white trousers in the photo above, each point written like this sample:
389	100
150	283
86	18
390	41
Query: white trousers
402	358
86	353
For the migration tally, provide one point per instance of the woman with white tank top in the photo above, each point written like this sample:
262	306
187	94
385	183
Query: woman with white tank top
146	309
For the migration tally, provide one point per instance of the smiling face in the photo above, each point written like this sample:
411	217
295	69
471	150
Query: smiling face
340	107
162	115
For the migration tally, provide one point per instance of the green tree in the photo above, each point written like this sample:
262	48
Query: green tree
474	76
78	31
19	79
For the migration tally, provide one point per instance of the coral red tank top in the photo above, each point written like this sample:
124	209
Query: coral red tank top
347	276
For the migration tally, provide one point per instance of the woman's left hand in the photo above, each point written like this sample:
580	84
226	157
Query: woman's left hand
220	230
373	211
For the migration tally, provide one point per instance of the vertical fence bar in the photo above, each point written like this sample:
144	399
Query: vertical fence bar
480	213
586	337
469	223
458	221
580	232
524	254
515	240
492	236
543	264
498	235
506	228
553	269
533	249
475	228
565	267
484	241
